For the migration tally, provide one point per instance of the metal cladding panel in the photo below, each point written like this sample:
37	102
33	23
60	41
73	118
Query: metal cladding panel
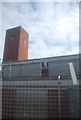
15	71
43	83
11	71
5	71
80	101
76	67
30	70
31	103
21	70
74	101
59	68
0	103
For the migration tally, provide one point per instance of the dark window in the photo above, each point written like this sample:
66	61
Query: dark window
44	64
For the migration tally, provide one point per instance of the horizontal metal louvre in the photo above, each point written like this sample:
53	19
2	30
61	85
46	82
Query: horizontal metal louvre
58	68
76	67
15	71
42	83
5	71
30	70
62	68
34	103
21	70
34	69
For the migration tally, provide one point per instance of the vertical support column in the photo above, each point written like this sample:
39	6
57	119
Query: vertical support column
40	67
10	69
59	100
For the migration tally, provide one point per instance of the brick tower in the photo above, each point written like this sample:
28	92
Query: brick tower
16	44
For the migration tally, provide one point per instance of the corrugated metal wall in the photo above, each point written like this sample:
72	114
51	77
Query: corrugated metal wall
61	68
30	70
21	70
31	103
54	69
40	103
5	72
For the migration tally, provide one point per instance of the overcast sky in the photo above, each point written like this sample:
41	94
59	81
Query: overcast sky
53	27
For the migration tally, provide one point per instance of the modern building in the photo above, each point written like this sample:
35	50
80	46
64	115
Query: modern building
41	88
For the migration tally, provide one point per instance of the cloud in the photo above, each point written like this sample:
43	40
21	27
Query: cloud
53	27
40	0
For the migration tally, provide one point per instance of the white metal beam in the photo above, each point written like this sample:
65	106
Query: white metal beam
73	74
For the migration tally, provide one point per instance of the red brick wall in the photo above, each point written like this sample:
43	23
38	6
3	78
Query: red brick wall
15	46
11	44
23	45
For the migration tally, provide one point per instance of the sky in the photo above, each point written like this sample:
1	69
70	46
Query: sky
53	27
